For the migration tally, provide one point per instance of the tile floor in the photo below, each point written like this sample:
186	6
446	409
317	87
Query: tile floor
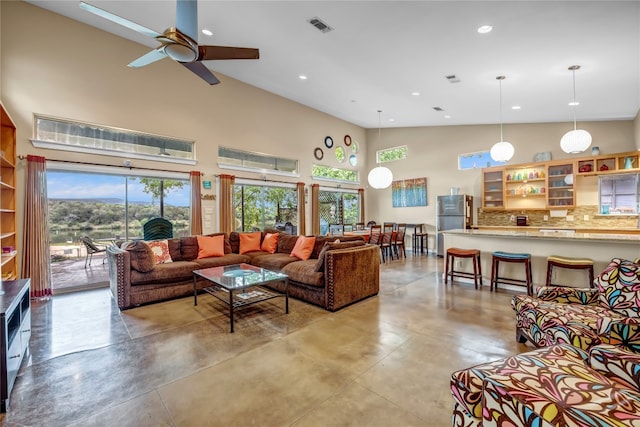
385	361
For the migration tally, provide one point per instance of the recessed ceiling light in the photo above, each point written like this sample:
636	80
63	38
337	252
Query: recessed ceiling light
516	107
207	32
302	77
415	93
574	103
447	116
485	29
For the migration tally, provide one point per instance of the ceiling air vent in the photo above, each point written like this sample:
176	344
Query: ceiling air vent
438	109
452	78
319	24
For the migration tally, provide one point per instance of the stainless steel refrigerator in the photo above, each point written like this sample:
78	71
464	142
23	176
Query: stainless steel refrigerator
452	212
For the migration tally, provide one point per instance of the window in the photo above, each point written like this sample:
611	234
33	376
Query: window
618	194
338	207
60	134
334	174
478	160
259	207
391	154
230	158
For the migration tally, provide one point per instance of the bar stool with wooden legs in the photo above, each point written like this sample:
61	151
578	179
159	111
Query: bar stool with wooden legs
569	263
420	240
510	257
452	254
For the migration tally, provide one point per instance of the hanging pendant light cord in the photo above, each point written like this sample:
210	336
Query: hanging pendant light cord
501	138
379	136
573	69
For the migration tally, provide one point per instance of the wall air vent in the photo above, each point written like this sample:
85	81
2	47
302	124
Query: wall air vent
452	78
438	109
319	24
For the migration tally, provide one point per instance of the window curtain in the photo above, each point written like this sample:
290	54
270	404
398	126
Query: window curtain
302	223
315	209
361	203
226	203
36	261
196	204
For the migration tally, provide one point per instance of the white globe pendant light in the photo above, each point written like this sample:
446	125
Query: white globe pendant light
379	177
501	151
576	140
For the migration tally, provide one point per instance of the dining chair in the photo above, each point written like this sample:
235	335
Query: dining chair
398	243
375	237
388	227
420	240
370	223
359	226
388	237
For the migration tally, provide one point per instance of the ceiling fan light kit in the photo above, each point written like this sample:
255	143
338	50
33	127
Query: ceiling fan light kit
501	151
179	43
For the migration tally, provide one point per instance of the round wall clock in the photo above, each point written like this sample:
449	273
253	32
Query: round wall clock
318	153
328	141
347	140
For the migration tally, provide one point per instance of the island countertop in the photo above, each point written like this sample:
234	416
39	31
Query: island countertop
551	234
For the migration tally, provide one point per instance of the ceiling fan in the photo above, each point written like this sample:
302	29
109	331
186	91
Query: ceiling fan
179	42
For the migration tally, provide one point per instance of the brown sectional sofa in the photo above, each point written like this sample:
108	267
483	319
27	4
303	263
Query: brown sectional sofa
335	276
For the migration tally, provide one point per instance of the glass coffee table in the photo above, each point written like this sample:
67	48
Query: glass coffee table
240	285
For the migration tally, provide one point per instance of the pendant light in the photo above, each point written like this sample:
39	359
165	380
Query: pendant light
576	140
379	177
501	151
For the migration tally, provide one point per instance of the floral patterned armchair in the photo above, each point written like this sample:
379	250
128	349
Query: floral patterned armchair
609	314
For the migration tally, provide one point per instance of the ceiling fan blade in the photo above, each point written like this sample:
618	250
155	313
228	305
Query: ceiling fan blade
148	58
209	53
118	20
202	72
187	18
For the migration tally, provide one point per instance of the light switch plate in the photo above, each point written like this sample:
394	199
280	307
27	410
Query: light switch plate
569	217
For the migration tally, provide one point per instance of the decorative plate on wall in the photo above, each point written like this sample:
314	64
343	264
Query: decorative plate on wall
340	155
353	160
347	140
328	141
354	146
318	153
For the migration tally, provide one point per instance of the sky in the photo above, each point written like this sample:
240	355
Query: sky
72	185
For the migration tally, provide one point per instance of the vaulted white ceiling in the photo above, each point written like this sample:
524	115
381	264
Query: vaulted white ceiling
380	52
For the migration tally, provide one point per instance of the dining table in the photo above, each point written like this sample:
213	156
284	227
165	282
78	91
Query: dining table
365	234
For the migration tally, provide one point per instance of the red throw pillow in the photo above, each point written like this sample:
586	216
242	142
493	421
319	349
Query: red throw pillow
270	243
210	246
304	247
249	242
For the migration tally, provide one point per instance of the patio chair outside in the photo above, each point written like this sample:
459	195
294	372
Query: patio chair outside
92	248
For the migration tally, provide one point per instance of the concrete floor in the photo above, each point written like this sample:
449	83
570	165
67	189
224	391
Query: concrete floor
385	361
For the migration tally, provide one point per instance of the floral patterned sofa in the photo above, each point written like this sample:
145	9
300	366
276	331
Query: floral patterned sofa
608	314
558	386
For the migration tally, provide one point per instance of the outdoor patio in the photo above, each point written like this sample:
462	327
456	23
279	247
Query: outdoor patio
70	274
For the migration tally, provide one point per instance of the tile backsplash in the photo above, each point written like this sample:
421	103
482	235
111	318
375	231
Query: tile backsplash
536	218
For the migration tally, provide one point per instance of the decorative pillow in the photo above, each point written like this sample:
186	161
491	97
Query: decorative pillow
250	242
335	245
303	247
141	256
160	249
210	246
619	286
270	243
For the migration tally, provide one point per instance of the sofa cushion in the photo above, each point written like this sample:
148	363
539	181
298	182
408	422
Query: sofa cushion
329	246
227	259
210	246
165	274
270	243
619	286
286	242
174	249
160	250
303	247
189	246
140	255
275	262
250	242
304	272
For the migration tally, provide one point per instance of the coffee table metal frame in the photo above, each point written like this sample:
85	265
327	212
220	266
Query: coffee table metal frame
228	280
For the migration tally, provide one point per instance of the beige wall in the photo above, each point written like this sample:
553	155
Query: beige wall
56	66
433	153
636	129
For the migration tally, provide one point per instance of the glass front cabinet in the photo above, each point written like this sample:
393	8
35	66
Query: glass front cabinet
560	185
493	188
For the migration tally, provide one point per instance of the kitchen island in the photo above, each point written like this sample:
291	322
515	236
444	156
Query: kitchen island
601	247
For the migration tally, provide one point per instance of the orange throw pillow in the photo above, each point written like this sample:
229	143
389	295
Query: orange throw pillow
210	246
249	242
303	247
270	243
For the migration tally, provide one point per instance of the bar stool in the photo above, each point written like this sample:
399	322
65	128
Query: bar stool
511	257
452	254
420	240
569	263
